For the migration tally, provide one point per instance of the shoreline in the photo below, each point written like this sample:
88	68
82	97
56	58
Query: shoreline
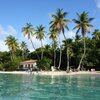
51	72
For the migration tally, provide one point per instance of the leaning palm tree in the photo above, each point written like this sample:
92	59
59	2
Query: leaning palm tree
83	24
39	32
53	35
12	44
59	21
28	30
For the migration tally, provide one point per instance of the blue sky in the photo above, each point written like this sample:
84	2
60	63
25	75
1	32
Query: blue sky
15	13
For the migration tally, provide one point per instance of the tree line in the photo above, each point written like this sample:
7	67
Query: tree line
79	53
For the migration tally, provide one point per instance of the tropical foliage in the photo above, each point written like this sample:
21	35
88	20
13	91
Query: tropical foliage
12	44
44	64
63	54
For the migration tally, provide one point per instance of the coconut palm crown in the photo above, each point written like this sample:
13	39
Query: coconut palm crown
28	30
53	34
59	21
40	34
83	23
12	44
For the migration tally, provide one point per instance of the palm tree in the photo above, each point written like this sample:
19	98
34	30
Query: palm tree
54	36
39	32
23	48
12	44
83	24
59	21
96	34
68	49
28	30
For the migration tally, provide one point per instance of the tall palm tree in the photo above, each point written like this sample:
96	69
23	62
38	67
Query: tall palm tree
23	48
54	36
83	24
28	30
59	21
12	44
39	32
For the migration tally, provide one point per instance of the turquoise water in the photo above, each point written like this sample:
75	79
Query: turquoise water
26	87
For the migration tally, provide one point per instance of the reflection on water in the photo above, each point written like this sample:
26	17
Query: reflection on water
30	87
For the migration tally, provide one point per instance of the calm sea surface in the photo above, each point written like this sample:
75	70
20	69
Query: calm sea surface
26	87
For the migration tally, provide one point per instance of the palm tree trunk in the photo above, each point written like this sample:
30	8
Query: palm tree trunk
23	54
79	67
26	54
68	67
11	56
60	54
54	57
41	49
34	48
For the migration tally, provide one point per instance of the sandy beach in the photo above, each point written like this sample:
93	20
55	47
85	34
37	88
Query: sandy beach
51	72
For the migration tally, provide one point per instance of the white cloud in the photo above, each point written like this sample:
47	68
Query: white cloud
2	31
69	34
3	47
11	30
3	34
36	42
97	3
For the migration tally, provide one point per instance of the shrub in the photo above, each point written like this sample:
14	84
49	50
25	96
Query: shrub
1	66
44	64
10	66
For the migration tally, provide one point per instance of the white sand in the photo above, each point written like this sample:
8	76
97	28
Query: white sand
50	72
65	73
13	72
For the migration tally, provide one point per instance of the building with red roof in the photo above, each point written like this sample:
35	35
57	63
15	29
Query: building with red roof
28	64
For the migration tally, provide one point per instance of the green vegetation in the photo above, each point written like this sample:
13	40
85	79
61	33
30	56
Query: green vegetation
44	64
12	44
64	55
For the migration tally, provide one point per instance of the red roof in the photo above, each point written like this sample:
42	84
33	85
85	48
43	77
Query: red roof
28	61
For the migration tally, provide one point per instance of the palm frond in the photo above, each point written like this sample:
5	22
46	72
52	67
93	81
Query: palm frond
66	27
90	19
76	21
78	26
78	31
